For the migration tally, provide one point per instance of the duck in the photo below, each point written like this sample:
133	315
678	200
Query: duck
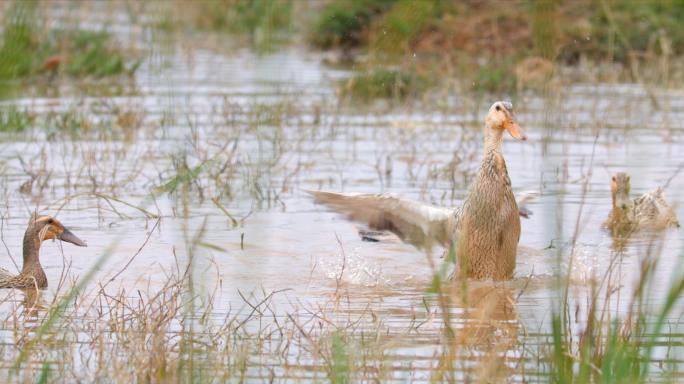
648	211
40	228
485	230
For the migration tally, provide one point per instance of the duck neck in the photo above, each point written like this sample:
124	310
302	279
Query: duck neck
31	253
492	142
621	214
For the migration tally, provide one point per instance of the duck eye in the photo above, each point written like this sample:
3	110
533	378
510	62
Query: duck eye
51	221
498	108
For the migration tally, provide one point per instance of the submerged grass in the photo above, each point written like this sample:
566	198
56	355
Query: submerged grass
149	345
14	120
73	122
179	332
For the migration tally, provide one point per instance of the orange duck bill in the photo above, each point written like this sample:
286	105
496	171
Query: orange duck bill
514	129
69	237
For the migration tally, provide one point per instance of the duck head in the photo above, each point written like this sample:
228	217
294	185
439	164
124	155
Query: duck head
619	188
46	227
501	117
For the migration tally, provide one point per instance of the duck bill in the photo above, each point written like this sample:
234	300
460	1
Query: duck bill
622	201
69	237
514	129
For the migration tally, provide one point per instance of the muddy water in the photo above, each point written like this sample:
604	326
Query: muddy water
275	120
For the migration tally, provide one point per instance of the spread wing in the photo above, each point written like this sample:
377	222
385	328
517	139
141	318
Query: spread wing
414	222
419	224
523	199
5	274
654	209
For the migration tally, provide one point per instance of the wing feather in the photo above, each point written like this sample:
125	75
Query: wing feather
420	224
417	223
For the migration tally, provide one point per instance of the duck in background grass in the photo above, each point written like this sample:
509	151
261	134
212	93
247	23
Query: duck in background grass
486	229
40	228
649	211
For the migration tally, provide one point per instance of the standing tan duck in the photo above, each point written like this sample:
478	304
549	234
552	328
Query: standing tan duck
487	227
648	211
490	222
40	228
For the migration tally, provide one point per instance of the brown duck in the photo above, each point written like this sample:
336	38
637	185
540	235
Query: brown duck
648	211
40	228
486	229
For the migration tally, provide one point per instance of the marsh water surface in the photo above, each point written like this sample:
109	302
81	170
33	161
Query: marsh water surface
260	129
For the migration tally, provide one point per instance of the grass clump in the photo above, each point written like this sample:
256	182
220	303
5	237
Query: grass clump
346	23
632	27
262	23
385	83
20	42
27	49
396	31
263	20
489	44
92	54
494	77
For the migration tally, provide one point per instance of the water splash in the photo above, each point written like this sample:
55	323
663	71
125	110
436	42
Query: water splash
354	269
